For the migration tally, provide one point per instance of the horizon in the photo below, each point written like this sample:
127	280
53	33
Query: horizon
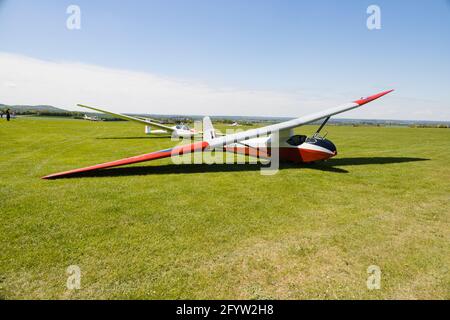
235	117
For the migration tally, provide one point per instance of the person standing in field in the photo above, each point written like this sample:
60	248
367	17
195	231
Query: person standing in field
8	115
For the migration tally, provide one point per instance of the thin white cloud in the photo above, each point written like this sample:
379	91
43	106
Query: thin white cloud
10	84
25	80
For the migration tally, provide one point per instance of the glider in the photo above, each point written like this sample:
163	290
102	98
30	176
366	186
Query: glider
88	118
178	131
293	148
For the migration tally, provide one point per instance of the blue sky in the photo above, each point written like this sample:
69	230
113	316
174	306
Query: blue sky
318	49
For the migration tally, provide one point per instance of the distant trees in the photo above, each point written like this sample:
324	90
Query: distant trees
49	111
439	126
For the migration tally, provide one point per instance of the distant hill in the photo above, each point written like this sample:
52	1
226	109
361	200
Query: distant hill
32	109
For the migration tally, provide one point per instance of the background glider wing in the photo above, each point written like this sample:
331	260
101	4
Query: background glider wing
130	118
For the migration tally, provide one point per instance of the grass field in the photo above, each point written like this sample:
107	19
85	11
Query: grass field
160	231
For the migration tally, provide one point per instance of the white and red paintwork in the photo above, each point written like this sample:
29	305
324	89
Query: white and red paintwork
252	142
263	148
300	154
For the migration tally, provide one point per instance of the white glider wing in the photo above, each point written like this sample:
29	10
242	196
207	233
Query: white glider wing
253	133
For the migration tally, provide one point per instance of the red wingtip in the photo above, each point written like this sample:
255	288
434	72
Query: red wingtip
371	98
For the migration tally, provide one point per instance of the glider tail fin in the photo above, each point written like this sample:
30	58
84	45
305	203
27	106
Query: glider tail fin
209	132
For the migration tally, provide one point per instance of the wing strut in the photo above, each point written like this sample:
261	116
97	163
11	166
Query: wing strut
322	125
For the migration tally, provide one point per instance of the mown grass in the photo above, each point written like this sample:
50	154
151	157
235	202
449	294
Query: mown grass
159	231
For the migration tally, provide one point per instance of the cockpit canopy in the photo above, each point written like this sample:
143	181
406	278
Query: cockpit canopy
182	127
315	139
296	140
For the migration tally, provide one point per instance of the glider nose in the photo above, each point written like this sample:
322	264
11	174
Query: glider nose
317	149
330	146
